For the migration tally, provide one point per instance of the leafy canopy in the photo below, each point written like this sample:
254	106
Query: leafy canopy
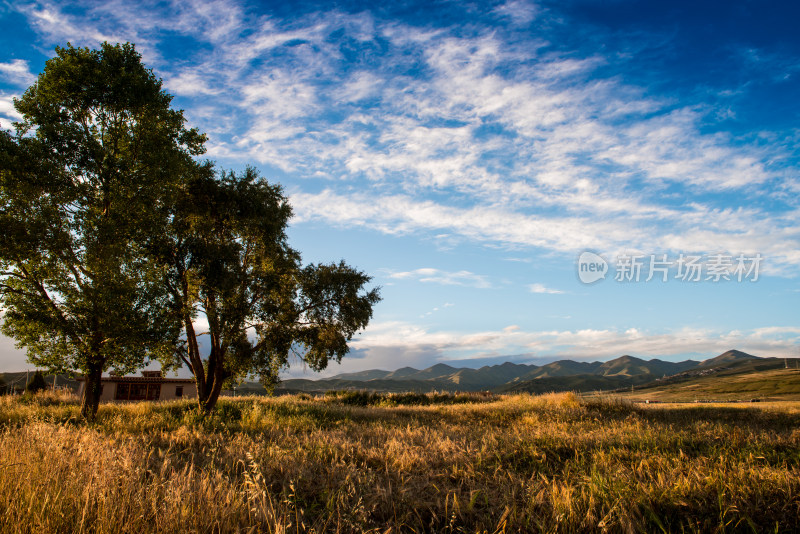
230	264
117	243
80	178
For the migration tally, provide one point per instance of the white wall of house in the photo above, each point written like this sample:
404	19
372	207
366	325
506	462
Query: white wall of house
107	394
169	391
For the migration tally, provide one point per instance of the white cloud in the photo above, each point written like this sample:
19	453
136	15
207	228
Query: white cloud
401	214
437	276
17	72
279	94
519	11
58	27
8	113
360	86
507	143
588	344
541	288
190	83
384	344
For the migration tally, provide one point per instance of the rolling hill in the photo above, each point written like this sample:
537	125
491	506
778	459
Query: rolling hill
732	374
560	368
741	384
630	366
731	357
563	375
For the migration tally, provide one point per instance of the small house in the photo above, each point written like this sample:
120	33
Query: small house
151	386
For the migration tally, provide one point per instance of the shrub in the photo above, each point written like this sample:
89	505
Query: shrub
36	383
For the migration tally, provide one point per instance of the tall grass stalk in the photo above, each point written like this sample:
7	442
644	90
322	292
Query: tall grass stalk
551	463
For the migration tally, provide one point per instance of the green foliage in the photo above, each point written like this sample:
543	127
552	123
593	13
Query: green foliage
371	398
115	239
96	151
229	411
353	398
36	383
227	255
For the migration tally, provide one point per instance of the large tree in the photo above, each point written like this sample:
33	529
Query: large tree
97	151
234	277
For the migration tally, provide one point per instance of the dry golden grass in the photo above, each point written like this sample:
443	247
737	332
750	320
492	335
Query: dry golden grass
552	463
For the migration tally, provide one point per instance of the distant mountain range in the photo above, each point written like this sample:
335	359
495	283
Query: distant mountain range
563	375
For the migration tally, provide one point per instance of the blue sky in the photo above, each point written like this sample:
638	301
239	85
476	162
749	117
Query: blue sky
465	155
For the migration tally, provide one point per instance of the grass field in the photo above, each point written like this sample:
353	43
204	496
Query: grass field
379	463
766	385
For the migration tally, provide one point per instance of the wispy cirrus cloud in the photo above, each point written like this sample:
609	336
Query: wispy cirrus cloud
50	20
543	289
438	276
518	11
700	232
488	133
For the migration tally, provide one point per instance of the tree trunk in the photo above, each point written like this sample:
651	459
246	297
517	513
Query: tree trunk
212	386
211	397
207	392
91	392
196	364
214	377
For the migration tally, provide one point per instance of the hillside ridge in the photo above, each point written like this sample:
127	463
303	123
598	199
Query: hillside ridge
561	375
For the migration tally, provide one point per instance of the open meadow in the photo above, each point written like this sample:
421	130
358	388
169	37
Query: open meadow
730	386
402	463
